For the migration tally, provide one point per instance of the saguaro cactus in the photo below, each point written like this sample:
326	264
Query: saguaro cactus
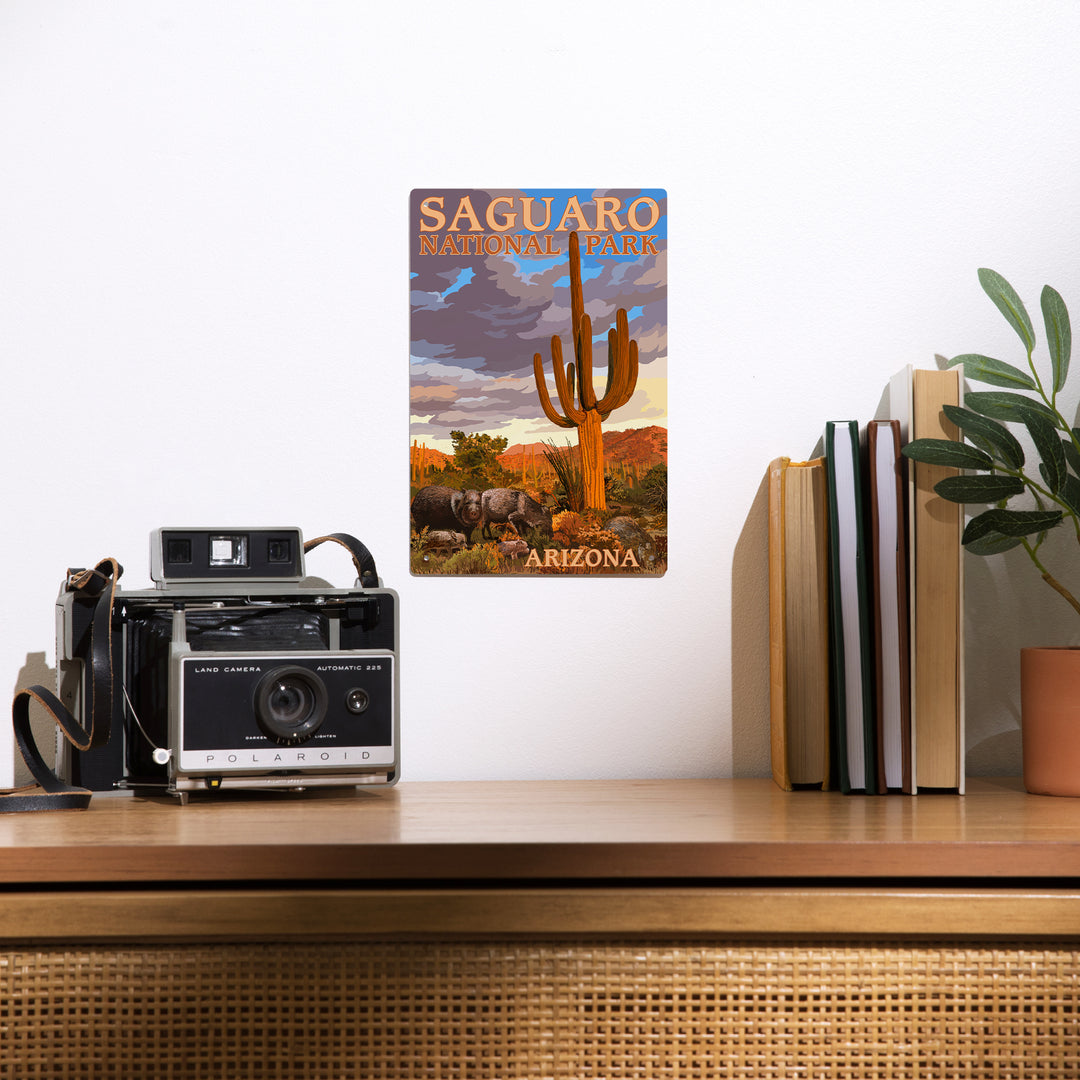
574	383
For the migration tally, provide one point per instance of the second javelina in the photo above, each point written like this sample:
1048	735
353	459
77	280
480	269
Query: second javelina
517	508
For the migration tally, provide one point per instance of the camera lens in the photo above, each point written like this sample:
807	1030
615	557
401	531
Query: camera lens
290	704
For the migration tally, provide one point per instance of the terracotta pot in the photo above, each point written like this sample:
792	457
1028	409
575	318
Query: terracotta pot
1050	720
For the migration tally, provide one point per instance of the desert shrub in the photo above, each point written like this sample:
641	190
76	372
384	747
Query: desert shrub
566	526
571	478
481	559
600	538
654	485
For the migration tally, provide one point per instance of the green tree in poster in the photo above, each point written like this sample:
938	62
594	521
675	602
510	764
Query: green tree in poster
477	455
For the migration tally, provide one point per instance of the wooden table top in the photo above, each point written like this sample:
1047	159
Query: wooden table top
599	831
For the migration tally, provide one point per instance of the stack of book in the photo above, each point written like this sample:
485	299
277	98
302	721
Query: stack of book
866	605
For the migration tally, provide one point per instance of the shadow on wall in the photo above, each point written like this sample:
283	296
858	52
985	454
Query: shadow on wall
36	671
1007	608
750	641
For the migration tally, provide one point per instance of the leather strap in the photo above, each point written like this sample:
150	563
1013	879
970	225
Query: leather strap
362	559
50	792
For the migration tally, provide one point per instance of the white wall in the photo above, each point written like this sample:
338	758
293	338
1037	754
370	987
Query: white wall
203	309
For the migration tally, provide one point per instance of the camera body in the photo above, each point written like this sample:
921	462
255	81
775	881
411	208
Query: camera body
237	671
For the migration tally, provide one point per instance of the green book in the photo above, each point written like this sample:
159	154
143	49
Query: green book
852	702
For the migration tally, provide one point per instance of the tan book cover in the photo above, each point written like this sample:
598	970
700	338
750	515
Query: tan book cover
938	599
798	623
935	527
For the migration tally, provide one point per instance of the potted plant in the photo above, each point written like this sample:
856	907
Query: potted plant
998	472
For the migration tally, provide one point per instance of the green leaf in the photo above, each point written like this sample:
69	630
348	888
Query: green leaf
1002	441
1058	333
993	544
1072	455
1001	405
1009	304
1048	443
1010	523
1070	493
996	372
984	489
982	444
947	452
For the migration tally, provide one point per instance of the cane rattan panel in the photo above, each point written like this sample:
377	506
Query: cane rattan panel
513	1009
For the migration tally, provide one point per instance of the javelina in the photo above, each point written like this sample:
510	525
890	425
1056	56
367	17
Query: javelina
444	541
521	511
511	549
444	508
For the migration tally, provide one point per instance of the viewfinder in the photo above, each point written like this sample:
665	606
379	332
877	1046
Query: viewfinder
225	554
228	551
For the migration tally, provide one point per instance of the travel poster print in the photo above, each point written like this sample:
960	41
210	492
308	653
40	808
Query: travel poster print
538	381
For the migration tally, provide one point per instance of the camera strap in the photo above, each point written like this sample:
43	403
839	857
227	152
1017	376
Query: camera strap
50	792
362	559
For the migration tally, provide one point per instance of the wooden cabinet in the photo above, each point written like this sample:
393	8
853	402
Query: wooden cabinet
566	929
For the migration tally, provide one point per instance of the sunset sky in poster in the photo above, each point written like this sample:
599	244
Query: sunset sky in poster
477	319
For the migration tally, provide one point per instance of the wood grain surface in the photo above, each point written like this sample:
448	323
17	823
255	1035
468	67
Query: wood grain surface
357	914
672	831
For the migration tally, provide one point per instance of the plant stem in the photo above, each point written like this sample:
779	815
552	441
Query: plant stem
1050	579
1039	492
1052	402
1056	585
1038	381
